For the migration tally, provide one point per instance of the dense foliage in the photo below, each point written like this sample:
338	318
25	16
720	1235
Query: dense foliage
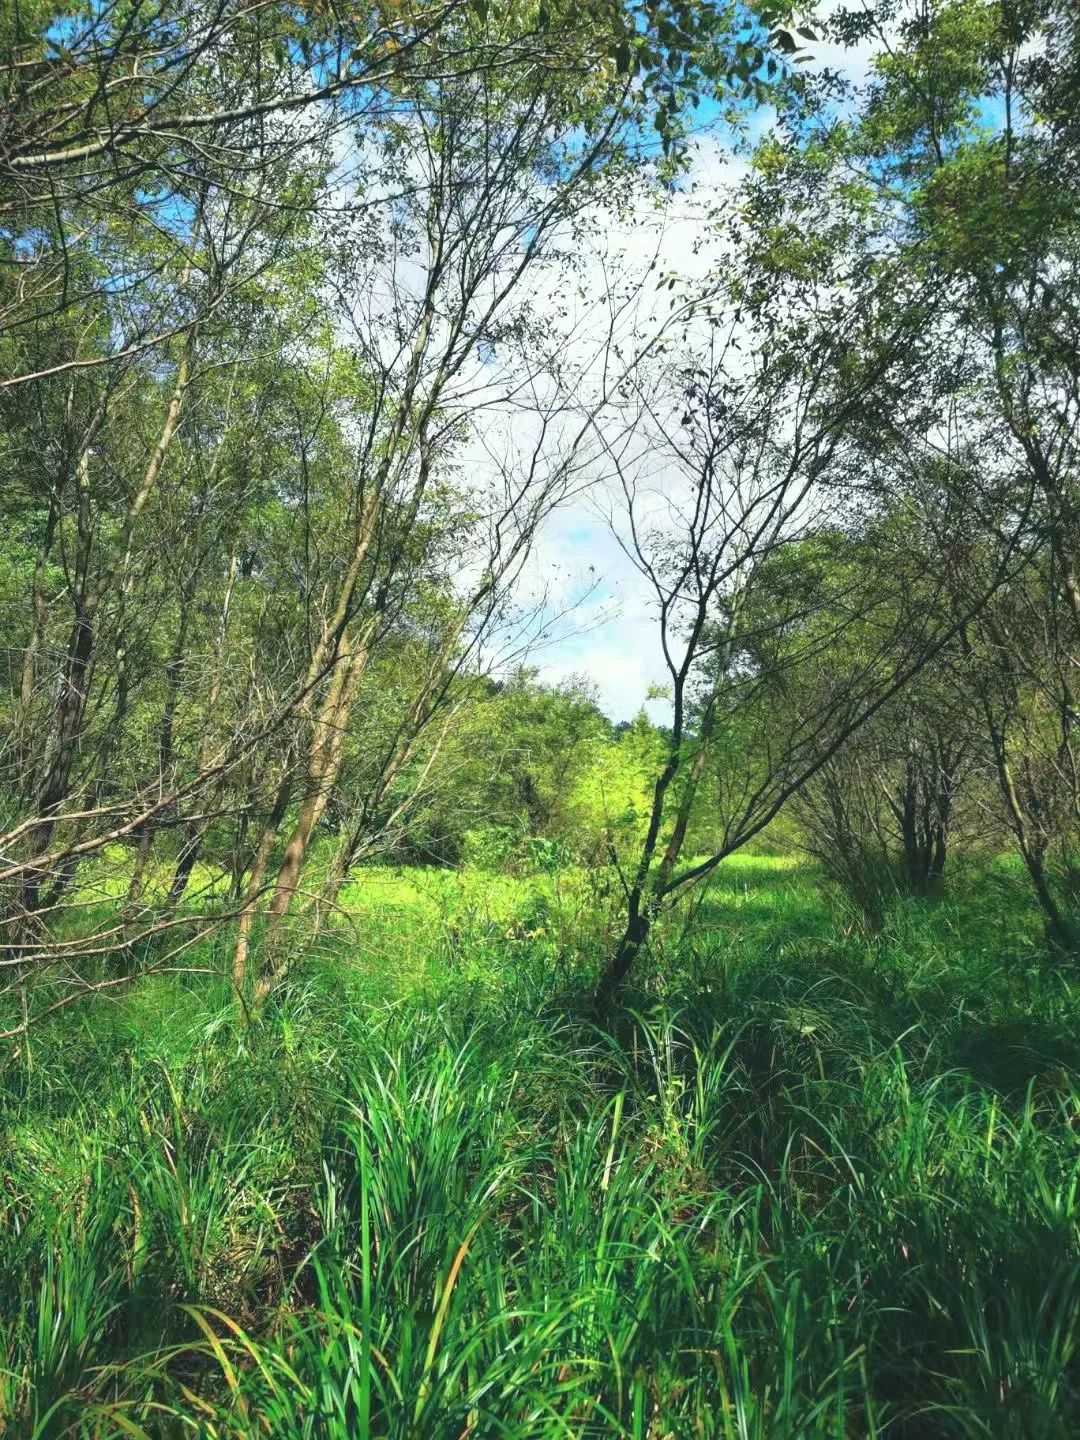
818	1188
393	1040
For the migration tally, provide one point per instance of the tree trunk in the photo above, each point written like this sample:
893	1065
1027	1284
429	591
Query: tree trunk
67	731
166	731
194	832
185	864
28	668
624	956
70	710
325	755
1059	930
255	879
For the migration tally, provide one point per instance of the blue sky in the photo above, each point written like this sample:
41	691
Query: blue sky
610	637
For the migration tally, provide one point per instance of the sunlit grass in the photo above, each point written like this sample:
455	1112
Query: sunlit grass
808	1183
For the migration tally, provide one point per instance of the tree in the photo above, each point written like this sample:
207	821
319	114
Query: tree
968	164
265	275
779	441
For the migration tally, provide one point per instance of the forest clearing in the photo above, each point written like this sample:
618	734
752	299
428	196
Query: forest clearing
539	772
817	1186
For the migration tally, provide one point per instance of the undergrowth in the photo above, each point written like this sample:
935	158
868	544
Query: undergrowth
805	1183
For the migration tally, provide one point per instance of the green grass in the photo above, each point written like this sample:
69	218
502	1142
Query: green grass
806	1184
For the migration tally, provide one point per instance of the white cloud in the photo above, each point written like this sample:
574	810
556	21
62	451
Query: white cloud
579	571
612	637
598	609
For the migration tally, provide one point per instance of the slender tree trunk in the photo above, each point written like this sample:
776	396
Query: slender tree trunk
344	656
649	886
1059	929
369	823
914	860
625	955
70	710
325	756
344	860
138	872
336	652
166	731
67	732
943	808
38	614
259	866
186	860
195	832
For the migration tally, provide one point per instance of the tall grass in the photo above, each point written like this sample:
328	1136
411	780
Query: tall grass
802	1186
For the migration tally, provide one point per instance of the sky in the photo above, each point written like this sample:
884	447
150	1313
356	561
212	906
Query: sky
608	634
590	614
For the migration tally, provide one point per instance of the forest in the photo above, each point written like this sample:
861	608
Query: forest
539	785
